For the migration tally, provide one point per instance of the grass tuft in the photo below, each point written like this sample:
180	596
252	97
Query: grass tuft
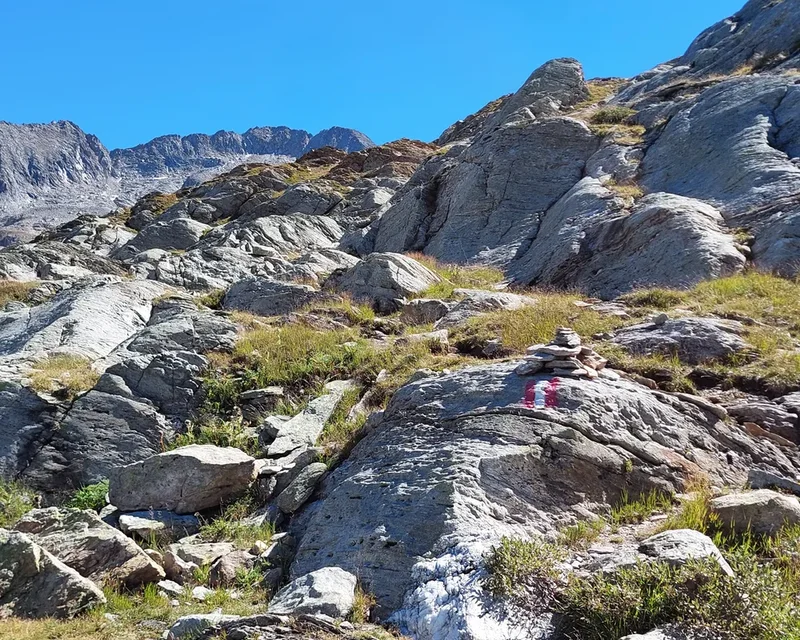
65	374
15	501
12	291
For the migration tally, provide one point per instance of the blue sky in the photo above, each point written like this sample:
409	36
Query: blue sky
128	71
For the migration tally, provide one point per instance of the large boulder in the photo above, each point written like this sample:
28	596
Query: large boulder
328	591
81	540
732	146
266	297
382	279
679	546
693	340
459	460
185	480
303	430
35	584
760	512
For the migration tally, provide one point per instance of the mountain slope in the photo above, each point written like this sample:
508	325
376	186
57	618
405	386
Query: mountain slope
52	172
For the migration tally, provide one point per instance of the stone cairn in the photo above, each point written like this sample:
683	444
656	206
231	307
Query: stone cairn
563	356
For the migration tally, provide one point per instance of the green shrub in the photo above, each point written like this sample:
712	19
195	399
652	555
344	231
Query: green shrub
612	115
91	497
15	501
524	572
582	533
212	299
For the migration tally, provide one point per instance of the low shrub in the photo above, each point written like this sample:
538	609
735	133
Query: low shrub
612	115
91	497
15	501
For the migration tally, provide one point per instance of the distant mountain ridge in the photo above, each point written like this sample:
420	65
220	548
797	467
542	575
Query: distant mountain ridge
52	172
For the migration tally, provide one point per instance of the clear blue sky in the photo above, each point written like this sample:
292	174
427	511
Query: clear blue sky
129	70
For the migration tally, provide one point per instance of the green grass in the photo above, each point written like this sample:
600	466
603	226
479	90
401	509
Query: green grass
524	572
537	324
15	501
637	510
228	527
91	497
131	609
63	374
581	534
758	603
654	298
302	359
667	370
362	606
217	431
599	91
455	276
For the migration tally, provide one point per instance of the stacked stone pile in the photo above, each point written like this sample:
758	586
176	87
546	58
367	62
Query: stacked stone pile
563	356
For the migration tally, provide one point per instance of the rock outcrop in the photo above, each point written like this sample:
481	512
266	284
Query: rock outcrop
478	461
37	585
82	541
185	480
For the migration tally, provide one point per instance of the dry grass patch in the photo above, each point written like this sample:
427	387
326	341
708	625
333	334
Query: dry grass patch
537	324
131	610
457	276
63	374
12	291
627	191
625	134
600	91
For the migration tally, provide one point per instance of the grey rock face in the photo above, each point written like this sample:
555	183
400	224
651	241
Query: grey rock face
38	585
226	569
100	432
424	311
185	480
477	462
177	234
694	340
586	241
329	591
269	297
762	512
89	319
736	155
770	416
192	625
81	540
382	278
486	204
759	33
